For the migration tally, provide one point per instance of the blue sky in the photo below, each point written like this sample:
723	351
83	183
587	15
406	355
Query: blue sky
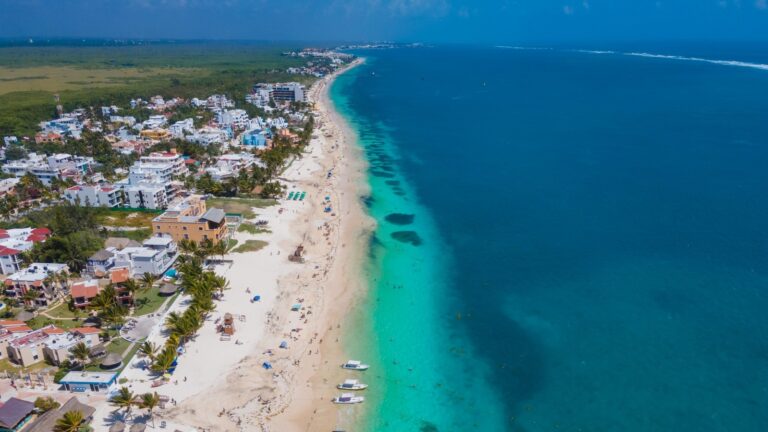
503	21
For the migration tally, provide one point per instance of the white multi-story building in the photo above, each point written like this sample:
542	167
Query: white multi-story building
207	136
181	128
236	118
126	120
46	169
174	159
34	277
155	256
94	196
229	165
146	195
14	242
219	101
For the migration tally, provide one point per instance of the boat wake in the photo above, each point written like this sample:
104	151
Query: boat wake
698	59
680	58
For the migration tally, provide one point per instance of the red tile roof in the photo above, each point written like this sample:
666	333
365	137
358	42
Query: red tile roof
41	231
119	275
37	238
53	331
5	251
83	290
6	323
19	329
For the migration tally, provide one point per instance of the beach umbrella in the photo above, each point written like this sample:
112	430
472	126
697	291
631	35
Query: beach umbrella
267	365
283	344
256	298
117	427
138	427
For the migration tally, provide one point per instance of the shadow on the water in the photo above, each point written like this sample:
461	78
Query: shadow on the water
522	373
400	218
374	244
411	237
367	200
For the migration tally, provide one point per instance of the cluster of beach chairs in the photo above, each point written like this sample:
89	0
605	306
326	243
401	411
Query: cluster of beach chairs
296	196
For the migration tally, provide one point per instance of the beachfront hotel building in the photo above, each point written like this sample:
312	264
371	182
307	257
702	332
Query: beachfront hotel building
191	220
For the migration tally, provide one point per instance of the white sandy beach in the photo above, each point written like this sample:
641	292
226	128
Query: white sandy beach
221	385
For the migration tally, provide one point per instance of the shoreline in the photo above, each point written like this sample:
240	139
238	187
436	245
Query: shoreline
228	389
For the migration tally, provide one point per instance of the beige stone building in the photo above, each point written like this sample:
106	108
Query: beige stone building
191	220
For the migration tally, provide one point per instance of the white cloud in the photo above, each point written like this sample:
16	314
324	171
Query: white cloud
761	4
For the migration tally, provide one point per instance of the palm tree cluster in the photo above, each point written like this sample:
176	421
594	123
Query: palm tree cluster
202	285
108	301
111	310
200	251
126	399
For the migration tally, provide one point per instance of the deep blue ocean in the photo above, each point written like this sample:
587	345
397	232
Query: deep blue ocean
567	241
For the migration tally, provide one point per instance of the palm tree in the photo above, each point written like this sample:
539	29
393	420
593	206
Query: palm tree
188	247
131	287
71	421
115	315
164	360
81	353
124	399
30	297
149	349
220	248
150	401
105	300
172	319
147	281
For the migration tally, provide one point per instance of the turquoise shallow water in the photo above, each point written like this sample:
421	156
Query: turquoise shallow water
567	241
413	385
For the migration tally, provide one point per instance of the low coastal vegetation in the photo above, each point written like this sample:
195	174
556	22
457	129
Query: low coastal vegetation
250	246
173	70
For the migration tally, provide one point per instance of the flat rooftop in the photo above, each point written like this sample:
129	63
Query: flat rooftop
80	377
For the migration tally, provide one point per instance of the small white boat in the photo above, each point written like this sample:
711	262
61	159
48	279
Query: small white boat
354	365
348	398
352	384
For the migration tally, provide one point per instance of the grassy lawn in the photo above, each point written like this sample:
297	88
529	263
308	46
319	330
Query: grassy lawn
138	235
62	311
252	229
149	301
123	218
244	206
250	246
231	244
117	345
41	321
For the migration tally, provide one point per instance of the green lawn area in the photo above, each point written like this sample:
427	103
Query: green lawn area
252	229
149	301
41	321
62	311
250	246
243	206
231	244
126	218
117	345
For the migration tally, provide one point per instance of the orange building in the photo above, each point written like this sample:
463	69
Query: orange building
191	220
